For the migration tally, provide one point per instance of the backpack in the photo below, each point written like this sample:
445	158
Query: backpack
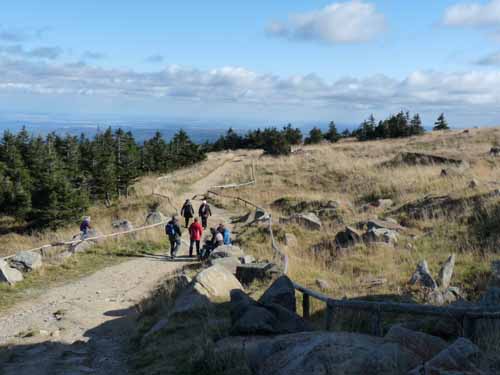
170	229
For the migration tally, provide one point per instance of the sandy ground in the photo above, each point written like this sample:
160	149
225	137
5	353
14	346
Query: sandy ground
83	327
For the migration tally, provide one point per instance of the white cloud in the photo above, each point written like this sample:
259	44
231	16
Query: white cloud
348	22
473	14
50	53
421	91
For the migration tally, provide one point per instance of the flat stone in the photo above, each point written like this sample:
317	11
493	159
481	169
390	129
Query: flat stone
248	273
308	221
384	224
8	274
229	263
381	235
247	259
226	251
26	261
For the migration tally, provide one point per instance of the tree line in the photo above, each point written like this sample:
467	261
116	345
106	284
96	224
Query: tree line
50	181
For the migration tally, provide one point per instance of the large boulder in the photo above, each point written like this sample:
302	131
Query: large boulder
218	282
81	245
424	345
423	276
308	221
226	251
446	272
26	261
348	237
322	353
461	357
248	273
8	274
384	224
229	263
213	284
281	292
155	217
381	235
249	317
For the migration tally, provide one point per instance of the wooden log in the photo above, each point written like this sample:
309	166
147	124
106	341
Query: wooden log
306	307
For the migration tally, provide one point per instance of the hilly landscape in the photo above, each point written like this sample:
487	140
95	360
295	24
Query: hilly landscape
354	219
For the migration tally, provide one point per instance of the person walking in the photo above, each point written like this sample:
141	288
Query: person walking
173	231
204	212
85	227
195	233
187	211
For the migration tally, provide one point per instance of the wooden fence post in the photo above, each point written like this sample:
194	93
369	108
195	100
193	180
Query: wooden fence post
306	308
329	317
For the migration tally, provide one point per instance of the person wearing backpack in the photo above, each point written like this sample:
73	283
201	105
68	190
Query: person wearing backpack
187	211
85	227
173	231
204	212
195	233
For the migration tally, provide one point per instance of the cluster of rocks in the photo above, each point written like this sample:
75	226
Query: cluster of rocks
417	158
373	231
324	210
495	151
308	221
379	203
439	292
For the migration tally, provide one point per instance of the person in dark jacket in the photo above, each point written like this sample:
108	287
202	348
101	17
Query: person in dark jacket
204	212
187	211
85	227
173	231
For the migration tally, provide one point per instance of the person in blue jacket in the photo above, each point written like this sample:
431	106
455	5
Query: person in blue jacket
226	233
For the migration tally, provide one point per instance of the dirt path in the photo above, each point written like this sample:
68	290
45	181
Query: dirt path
82	327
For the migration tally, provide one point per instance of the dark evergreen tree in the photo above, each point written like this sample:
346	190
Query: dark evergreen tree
293	136
332	135
315	136
441	123
416	127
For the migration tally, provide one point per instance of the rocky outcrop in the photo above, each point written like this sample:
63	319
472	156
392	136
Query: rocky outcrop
213	284
322	353
248	273
26	261
229	263
417	158
423	276
155	217
8	274
226	251
249	317
381	235
446	272
325	210
384	224
308	221
348	237
462	357
281	292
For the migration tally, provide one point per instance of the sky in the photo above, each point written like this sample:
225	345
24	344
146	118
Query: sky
251	62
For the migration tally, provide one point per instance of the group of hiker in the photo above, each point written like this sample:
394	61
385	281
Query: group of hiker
219	236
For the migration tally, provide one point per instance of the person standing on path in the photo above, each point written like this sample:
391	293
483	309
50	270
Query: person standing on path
195	233
187	211
173	231
85	227
204	212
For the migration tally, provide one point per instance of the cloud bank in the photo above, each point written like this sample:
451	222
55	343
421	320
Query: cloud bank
473	14
348	22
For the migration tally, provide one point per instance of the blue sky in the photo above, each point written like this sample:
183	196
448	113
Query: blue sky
258	61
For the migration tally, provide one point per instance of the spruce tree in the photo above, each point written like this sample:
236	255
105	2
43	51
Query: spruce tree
293	136
441	123
416	127
332	135
315	136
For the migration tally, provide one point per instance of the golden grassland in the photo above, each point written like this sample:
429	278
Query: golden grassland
353	173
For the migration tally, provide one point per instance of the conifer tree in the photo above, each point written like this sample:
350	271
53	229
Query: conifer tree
332	135
315	136
441	123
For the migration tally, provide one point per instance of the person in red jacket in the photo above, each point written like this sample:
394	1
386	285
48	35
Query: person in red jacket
195	233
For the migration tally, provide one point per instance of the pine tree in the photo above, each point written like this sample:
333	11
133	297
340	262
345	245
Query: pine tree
104	181
315	136
416	127
332	135
441	123
127	160
293	136
154	155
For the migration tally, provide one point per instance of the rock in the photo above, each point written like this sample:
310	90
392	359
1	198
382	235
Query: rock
322	353
291	240
323	284
422	344
193	299
446	272
155	217
381	235
309	221
281	292
248	273
218	282
417	158
226	251
436	298
444	173
26	261
384	224
473	184
495	151
461	357
451	295
8	274
122	225
229	263
162	323
348	237
247	259
251	317
81	246
423	276
260	215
